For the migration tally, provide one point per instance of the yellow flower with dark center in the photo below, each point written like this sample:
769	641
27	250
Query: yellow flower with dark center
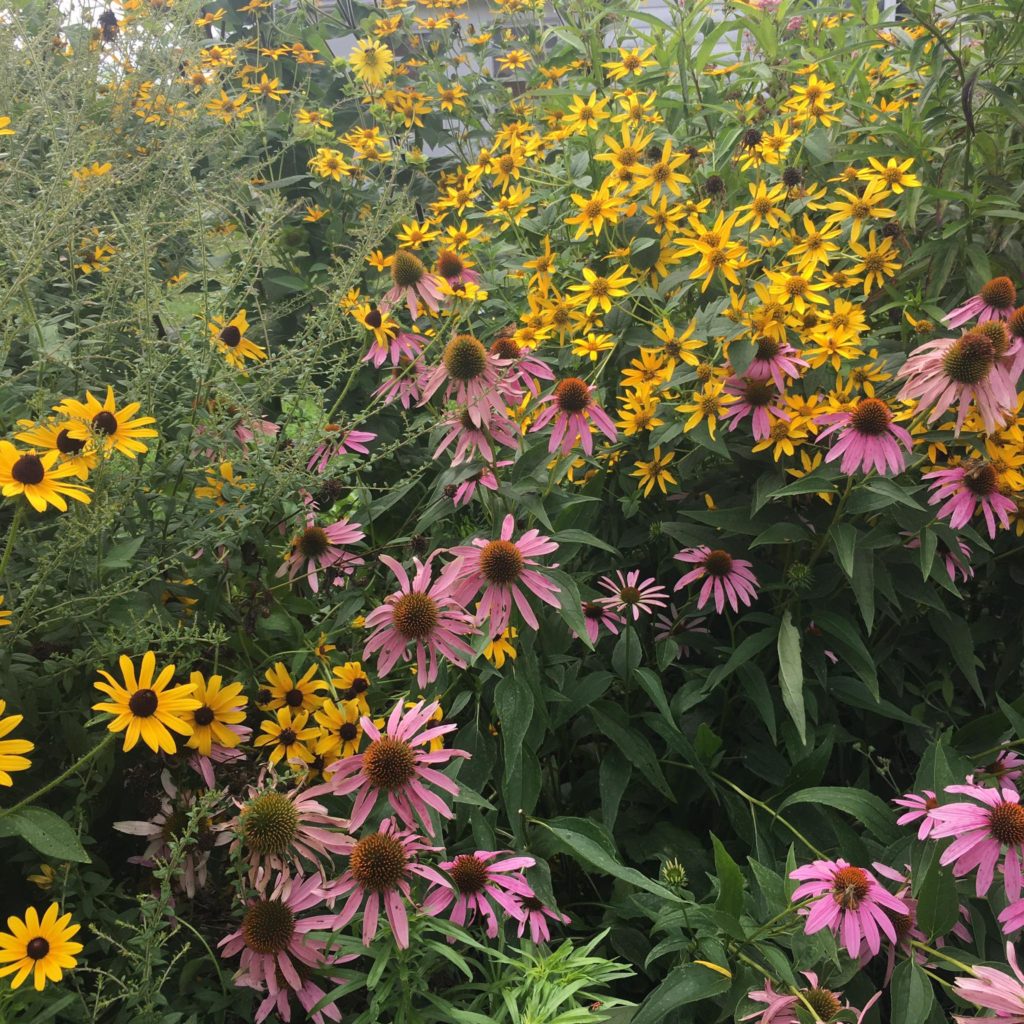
229	338
268	88
351	684
145	706
314	118
110	429
340	731
638	412
784	436
592	345
815	246
764	206
678	347
893	174
299	695
707	406
586	114
314	212
12	751
38	478
654	472
628	154
5	613
595	211
219	706
499	649
288	736
38	947
217	480
630	62
649	371
876	262
514	60
597	291
330	163
229	108
52	434
664	173
858	208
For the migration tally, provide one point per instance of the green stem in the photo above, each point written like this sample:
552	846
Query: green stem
43	790
11	534
932	951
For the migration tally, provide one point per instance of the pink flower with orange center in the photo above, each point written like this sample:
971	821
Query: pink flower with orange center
995	301
867	439
575	413
726	578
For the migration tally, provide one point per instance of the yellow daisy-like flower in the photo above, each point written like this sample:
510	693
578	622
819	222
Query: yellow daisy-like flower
315	118
592	345
5	126
145	707
288	736
330	163
894	174
5	613
598	291
314	212
228	337
501	648
371	62
42	948
283	691
352	684
45	879
340	731
630	62
53	435
707	406
654	472
109	428
11	751
595	211
217	480
220	706
37	478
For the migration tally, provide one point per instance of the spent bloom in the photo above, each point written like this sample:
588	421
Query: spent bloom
726	578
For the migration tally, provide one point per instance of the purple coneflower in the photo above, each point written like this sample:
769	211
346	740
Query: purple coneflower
572	406
380	866
535	916
631	597
523	368
1007	767
919	808
319	547
850	903
421	612
476	883
783	1007
502	568
404	385
398	764
413	283
455	268
776	360
473	439
309	993
597	614
992	989
463	493
672	626
727	578
758	399
868	439
472	377
995	301
963	488
202	764
336	443
957	564
247	430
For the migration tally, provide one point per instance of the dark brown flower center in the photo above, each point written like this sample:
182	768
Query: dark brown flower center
268	927
28	470
465	358
37	948
414	615
230	336
718	562
407	270
982	480
286	737
969	359
203	715
572	395
824	1003
68	445
348	731
1016	323
501	562
850	887
143	703
389	764
758	393
629	595
469	874
996	332
999	293
105	422
449	263
294	698
871	417
313	542
269	822
377	862
1006	823
592	610
504	347
767	348
373	319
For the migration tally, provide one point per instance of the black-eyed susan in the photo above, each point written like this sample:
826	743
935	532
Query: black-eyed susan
876	261
40	947
630	62
108	428
38	478
5	613
145	707
371	62
229	338
12	751
52	434
330	163
220	707
597	291
299	695
340	730
595	210
352	684
654	472
707	406
498	649
288	736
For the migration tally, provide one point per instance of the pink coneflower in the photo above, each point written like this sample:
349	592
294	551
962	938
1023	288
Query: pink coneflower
273	937
398	764
455	268
850	903
595	615
572	406
919	808
868	439
337	442
393	348
776	360
758	399
471	374
169	825
992	989
995	301
202	764
629	596
783	1008
247	430
278	999
319	547
463	493
1007	767
963	488
672	626
413	283
502	568
380	866
473	439
404	385
981	830
961	370
728	578
523	368
535	916
277	831
477	882
423	613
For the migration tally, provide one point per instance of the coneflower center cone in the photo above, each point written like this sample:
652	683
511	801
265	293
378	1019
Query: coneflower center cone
268	927
378	862
464	358
982	480
469	874
68	445
500	562
450	263
999	293
1006	823
414	615
230	336
850	887
572	395
407	270
389	764
969	359
143	703
824	1002
313	542
871	417
105	422
269	823
718	562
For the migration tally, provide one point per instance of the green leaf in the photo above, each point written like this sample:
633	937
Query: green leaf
957	635
569	603
634	744
938	905
850	646
50	834
582	537
514	700
911	994
730	880
121	555
872	812
686	984
844	541
655	689
791	674
863	583
748	648
613	776
627	654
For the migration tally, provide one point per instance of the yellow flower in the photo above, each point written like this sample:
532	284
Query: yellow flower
654	472
230	109
371	62
52	434
499	648
220	706
330	163
229	338
414	234
45	879
314	212
315	118
37	478
816	246
638	412
351	684
210	17
340	729
877	262
594	212
809	464
678	346
764	206
146	708
109	429
42	948
94	170
858	208
650	370
268	88
5	615
598	291
283	691
288	736
630	62
707	405
11	751
893	174
664	173
592	345
586	114
5	128
784	436
514	60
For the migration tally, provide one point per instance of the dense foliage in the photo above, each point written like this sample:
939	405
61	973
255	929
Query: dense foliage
514	517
